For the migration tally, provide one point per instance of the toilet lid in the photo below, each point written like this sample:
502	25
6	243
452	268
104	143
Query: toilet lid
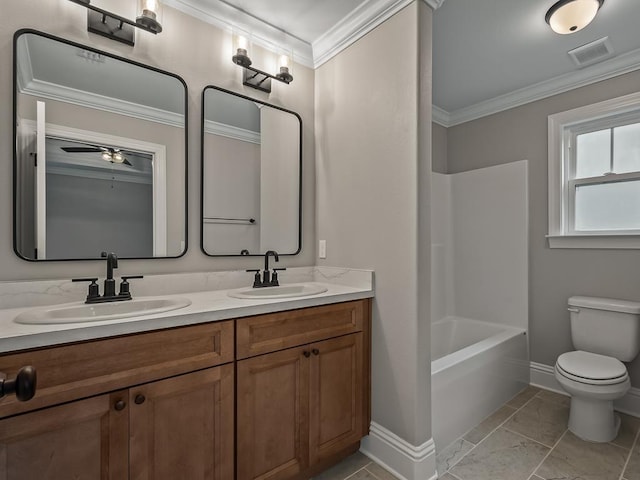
591	368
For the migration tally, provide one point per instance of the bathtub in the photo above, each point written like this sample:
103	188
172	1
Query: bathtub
476	367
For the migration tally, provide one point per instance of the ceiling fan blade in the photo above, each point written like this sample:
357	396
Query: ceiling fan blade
81	149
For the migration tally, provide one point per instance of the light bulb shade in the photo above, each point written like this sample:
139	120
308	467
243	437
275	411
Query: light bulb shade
117	157
150	15
106	156
241	47
570	16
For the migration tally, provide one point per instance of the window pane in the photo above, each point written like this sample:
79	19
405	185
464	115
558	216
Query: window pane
593	155
608	206
626	148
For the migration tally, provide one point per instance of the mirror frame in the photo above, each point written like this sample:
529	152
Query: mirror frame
220	89
22	31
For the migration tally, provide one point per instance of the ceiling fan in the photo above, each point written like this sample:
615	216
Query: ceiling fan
113	155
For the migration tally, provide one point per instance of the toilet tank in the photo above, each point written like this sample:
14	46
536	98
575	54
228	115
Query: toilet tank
606	326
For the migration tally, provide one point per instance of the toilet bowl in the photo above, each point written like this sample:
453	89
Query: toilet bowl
594	381
605	332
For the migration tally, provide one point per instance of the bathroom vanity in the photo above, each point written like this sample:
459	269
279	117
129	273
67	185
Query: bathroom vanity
217	395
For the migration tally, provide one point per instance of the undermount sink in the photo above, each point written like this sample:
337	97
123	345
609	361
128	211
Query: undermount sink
98	312
283	291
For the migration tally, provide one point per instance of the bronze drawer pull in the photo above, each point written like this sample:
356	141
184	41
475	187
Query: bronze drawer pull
139	400
119	406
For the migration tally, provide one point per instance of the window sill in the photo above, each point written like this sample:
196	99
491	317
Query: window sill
595	241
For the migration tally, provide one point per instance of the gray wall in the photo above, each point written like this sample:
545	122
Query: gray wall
371	171
554	274
200	54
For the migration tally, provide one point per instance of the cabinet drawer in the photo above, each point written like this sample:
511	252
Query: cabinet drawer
80	370
276	331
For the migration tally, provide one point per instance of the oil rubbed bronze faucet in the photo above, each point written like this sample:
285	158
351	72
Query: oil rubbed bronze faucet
268	279
109	283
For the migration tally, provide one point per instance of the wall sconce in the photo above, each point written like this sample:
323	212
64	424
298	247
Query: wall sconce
120	29
253	77
570	16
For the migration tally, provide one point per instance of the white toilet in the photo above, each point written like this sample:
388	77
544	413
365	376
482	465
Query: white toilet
606	333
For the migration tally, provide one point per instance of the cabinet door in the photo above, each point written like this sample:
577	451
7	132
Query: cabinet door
272	431
83	440
182	427
335	398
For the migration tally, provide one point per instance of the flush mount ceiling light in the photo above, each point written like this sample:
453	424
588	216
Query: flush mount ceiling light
570	16
121	29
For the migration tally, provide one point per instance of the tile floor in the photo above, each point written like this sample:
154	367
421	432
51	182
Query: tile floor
525	439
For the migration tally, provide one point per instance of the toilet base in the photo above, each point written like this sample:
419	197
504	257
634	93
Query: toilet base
593	420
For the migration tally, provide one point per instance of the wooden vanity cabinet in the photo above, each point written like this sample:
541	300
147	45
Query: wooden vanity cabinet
172	404
302	407
176	427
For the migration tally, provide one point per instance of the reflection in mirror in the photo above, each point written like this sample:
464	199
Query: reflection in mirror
251	176
100	159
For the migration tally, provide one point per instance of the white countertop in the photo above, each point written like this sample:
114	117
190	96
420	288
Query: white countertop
206	306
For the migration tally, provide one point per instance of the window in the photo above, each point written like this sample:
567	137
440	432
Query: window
594	176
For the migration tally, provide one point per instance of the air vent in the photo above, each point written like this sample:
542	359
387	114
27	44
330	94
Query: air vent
593	52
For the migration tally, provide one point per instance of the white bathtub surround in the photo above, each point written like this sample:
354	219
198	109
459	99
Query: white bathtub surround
401	458
480	245
476	367
51	292
207	304
543	376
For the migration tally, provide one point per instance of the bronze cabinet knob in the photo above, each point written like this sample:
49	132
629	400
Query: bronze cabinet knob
139	400
119	406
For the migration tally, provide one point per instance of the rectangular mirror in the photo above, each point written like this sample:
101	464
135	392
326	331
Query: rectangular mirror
251	176
100	154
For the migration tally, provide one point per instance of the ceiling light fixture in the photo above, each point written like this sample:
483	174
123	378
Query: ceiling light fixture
120	29
251	76
570	16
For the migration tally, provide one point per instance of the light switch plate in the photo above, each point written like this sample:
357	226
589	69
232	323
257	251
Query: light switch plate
322	249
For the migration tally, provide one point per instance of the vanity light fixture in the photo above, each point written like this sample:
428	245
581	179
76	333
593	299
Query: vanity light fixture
570	16
120	29
253	77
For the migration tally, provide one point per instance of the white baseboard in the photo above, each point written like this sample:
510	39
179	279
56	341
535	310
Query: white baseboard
402	459
543	376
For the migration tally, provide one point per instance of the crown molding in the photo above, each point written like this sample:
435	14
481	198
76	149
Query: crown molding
435	4
625	63
229	131
440	116
358	23
52	91
354	26
226	17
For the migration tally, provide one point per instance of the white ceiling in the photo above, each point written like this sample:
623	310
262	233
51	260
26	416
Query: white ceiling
489	55
485	49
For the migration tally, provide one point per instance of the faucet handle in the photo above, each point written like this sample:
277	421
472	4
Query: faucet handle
124	285
257	281
94	289
274	277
